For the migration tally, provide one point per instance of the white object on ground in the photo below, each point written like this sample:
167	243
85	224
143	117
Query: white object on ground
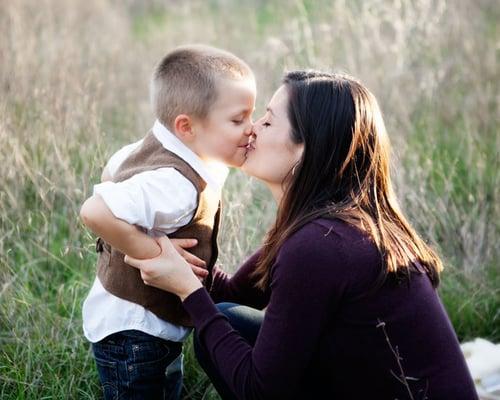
483	360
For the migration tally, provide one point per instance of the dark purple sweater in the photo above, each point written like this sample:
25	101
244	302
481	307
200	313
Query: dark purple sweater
319	337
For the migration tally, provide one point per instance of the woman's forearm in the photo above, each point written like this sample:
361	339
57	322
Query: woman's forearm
303	297
239	287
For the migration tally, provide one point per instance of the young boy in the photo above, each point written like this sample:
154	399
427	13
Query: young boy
168	183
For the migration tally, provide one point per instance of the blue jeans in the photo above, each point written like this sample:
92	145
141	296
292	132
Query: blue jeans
246	321
134	365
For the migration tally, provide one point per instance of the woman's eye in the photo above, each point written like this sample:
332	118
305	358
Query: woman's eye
237	122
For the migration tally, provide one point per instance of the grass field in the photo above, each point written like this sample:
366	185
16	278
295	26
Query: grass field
74	87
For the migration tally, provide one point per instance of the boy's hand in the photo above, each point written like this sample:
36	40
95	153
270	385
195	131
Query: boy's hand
197	264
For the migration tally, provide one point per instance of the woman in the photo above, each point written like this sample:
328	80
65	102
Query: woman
348	285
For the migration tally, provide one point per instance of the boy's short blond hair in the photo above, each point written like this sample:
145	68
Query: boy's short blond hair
185	81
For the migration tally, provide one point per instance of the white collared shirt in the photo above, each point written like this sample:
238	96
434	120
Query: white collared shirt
161	201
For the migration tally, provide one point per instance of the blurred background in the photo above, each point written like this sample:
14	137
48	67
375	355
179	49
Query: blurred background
74	77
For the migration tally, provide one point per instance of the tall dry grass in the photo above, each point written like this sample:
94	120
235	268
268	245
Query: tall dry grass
74	88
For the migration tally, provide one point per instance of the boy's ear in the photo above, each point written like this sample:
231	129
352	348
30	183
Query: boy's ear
183	126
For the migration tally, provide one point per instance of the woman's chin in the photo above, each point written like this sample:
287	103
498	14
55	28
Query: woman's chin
246	167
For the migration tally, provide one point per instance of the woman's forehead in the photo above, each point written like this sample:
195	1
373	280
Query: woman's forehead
278	101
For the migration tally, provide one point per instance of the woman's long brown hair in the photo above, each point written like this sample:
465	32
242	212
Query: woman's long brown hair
343	174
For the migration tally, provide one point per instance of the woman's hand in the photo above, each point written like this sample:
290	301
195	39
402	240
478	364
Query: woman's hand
197	264
169	271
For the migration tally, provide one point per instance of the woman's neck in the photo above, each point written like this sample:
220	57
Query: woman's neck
277	192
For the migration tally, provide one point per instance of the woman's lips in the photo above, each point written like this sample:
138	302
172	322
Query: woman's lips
251	143
245	146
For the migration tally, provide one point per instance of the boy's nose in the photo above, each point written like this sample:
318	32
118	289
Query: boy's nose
249	130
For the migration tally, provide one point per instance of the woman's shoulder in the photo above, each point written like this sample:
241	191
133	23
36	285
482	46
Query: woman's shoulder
331	246
329	234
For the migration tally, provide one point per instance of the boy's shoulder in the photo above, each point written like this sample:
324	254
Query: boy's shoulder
120	155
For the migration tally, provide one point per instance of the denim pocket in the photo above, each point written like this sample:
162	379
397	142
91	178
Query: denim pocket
146	369
108	375
151	358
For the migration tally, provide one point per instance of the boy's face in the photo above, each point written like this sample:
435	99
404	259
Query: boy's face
223	135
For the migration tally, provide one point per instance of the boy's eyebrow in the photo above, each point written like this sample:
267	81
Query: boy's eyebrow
246	111
270	110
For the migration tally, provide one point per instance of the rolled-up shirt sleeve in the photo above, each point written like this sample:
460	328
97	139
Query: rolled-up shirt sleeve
161	199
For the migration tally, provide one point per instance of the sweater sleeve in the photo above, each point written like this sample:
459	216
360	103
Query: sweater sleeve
240	287
304	294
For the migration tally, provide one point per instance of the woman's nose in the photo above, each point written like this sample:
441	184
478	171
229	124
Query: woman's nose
256	127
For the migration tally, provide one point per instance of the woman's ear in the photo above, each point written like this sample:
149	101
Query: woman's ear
183	127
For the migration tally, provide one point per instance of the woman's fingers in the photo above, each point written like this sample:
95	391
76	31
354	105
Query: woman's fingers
201	273
192	259
165	244
181	244
184	243
134	262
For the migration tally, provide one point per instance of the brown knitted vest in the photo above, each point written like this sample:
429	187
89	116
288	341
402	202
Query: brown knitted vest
125	281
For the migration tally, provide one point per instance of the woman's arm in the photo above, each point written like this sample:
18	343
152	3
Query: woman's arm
303	300
239	287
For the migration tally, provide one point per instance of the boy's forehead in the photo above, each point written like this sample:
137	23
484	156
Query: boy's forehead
225	84
233	91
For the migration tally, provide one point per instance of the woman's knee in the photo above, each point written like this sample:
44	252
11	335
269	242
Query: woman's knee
228	309
245	320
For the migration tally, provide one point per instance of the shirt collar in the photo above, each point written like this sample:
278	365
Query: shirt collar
214	173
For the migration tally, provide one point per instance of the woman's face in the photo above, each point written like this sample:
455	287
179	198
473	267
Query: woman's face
271	154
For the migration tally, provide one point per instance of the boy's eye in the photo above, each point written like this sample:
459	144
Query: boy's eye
266	124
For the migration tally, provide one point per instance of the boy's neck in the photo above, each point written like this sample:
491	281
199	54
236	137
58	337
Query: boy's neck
191	145
186	143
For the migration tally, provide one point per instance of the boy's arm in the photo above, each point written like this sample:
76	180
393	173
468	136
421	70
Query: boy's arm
123	236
